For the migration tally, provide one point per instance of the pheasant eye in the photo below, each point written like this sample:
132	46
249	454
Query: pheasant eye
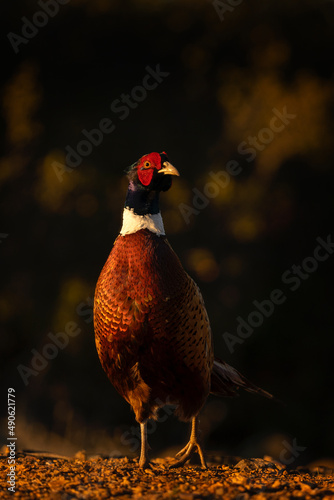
146	165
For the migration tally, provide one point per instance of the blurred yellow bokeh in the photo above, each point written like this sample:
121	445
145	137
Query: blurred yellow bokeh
203	263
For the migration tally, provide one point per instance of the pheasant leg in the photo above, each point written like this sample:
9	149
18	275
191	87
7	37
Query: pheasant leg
185	454
144	461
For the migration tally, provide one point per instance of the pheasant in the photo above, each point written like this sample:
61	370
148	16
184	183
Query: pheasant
152	330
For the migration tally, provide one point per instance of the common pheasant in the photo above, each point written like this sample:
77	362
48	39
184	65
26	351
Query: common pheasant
152	330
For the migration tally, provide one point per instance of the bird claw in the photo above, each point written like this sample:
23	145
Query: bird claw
145	464
186	453
149	468
183	451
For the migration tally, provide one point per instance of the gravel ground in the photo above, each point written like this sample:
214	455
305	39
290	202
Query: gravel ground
45	476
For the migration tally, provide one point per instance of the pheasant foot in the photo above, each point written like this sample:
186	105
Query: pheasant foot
193	446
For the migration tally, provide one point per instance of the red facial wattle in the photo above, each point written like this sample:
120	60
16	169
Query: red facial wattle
146	167
145	176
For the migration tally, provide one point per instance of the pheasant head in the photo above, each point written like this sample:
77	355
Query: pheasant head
150	175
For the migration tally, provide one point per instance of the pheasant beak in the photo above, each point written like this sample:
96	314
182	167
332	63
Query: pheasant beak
168	169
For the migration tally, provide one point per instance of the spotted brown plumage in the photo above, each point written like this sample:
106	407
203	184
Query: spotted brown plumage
152	331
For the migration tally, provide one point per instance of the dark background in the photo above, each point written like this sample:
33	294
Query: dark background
227	73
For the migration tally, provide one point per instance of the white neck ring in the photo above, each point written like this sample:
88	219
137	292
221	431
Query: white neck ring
133	223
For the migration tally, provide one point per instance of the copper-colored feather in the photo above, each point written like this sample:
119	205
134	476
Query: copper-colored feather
152	331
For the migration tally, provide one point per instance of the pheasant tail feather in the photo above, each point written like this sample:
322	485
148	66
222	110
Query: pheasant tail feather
226	380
